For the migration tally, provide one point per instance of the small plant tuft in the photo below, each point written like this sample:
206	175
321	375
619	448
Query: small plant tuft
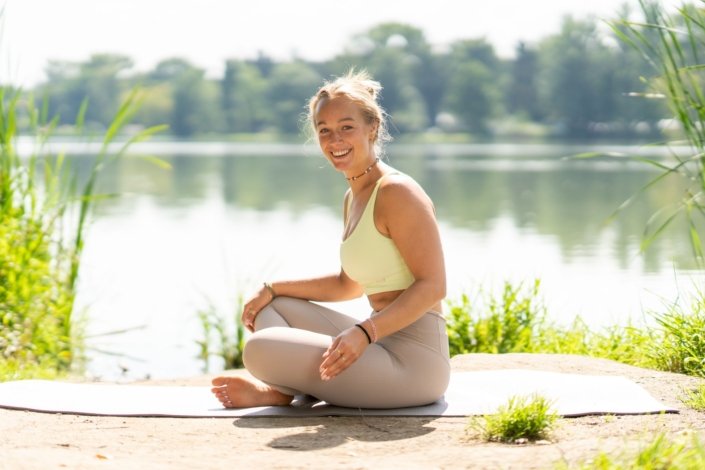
695	398
521	419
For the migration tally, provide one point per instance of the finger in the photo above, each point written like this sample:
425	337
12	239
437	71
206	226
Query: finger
335	364
334	345
248	318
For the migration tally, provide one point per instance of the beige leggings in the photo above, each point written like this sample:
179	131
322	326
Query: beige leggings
408	368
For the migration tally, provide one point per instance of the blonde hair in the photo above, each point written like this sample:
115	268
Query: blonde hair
360	88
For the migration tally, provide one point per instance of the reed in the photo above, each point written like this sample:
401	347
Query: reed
223	336
44	216
673	45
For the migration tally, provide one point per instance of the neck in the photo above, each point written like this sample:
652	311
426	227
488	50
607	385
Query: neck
367	170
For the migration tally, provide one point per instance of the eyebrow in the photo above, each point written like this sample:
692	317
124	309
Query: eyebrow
339	120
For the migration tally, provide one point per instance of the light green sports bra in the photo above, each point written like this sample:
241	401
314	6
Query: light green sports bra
370	258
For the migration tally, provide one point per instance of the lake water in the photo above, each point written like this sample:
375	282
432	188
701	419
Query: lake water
225	217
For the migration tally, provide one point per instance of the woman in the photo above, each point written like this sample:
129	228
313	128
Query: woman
390	251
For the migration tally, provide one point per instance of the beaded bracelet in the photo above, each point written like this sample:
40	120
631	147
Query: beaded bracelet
269	287
369	340
373	328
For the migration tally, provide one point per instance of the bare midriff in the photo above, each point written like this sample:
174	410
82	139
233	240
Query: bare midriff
382	300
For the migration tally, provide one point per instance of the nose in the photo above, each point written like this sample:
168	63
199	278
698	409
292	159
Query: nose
337	136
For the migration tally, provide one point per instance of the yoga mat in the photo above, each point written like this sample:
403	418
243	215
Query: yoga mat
469	393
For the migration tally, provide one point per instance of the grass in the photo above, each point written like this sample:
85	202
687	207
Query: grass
695	398
223	337
682	345
44	215
660	453
508	323
520	420
515	320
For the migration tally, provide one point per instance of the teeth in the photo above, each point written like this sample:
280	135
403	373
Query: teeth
340	153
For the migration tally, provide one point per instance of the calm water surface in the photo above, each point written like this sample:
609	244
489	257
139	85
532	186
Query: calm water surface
225	217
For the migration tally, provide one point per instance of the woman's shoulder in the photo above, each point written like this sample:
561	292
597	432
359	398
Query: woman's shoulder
398	188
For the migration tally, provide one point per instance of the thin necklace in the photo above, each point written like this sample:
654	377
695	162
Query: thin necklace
369	168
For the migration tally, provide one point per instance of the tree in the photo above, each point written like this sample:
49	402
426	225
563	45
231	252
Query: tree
522	95
575	79
472	96
397	55
474	88
242	97
289	88
194	100
99	80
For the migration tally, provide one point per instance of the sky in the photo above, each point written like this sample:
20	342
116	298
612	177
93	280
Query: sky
207	32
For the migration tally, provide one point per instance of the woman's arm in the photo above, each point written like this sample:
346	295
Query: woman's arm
405	213
331	288
328	288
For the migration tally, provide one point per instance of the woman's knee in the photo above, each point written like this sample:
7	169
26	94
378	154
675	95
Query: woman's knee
285	304
256	350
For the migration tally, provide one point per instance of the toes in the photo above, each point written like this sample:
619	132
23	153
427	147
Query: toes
219	381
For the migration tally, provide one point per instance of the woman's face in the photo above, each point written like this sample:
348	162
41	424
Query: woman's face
345	137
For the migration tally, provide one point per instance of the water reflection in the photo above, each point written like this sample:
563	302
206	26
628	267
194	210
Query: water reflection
568	200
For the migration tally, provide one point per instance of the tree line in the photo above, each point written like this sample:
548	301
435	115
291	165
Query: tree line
579	82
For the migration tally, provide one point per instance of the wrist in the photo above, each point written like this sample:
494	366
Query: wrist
268	288
367	335
371	329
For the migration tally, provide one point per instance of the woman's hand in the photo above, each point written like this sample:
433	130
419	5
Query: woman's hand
253	306
346	348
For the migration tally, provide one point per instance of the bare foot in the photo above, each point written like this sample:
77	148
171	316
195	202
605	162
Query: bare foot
244	391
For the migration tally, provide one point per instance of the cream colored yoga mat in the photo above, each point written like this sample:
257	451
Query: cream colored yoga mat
469	393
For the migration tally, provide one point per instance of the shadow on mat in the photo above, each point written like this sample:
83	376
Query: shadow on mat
328	432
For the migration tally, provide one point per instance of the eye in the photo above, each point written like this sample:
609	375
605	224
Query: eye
322	131
347	128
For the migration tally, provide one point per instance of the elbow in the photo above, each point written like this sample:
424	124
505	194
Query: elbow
441	292
436	290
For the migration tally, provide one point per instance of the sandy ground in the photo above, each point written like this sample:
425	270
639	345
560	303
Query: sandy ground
37	440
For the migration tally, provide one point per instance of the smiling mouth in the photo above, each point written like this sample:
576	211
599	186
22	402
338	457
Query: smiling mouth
341	153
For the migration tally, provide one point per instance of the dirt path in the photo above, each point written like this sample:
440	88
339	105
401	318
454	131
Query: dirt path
46	441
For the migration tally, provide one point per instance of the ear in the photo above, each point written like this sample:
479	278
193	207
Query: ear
374	127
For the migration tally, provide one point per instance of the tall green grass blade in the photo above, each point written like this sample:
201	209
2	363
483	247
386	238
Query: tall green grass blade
695	240
81	116
124	114
649	238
